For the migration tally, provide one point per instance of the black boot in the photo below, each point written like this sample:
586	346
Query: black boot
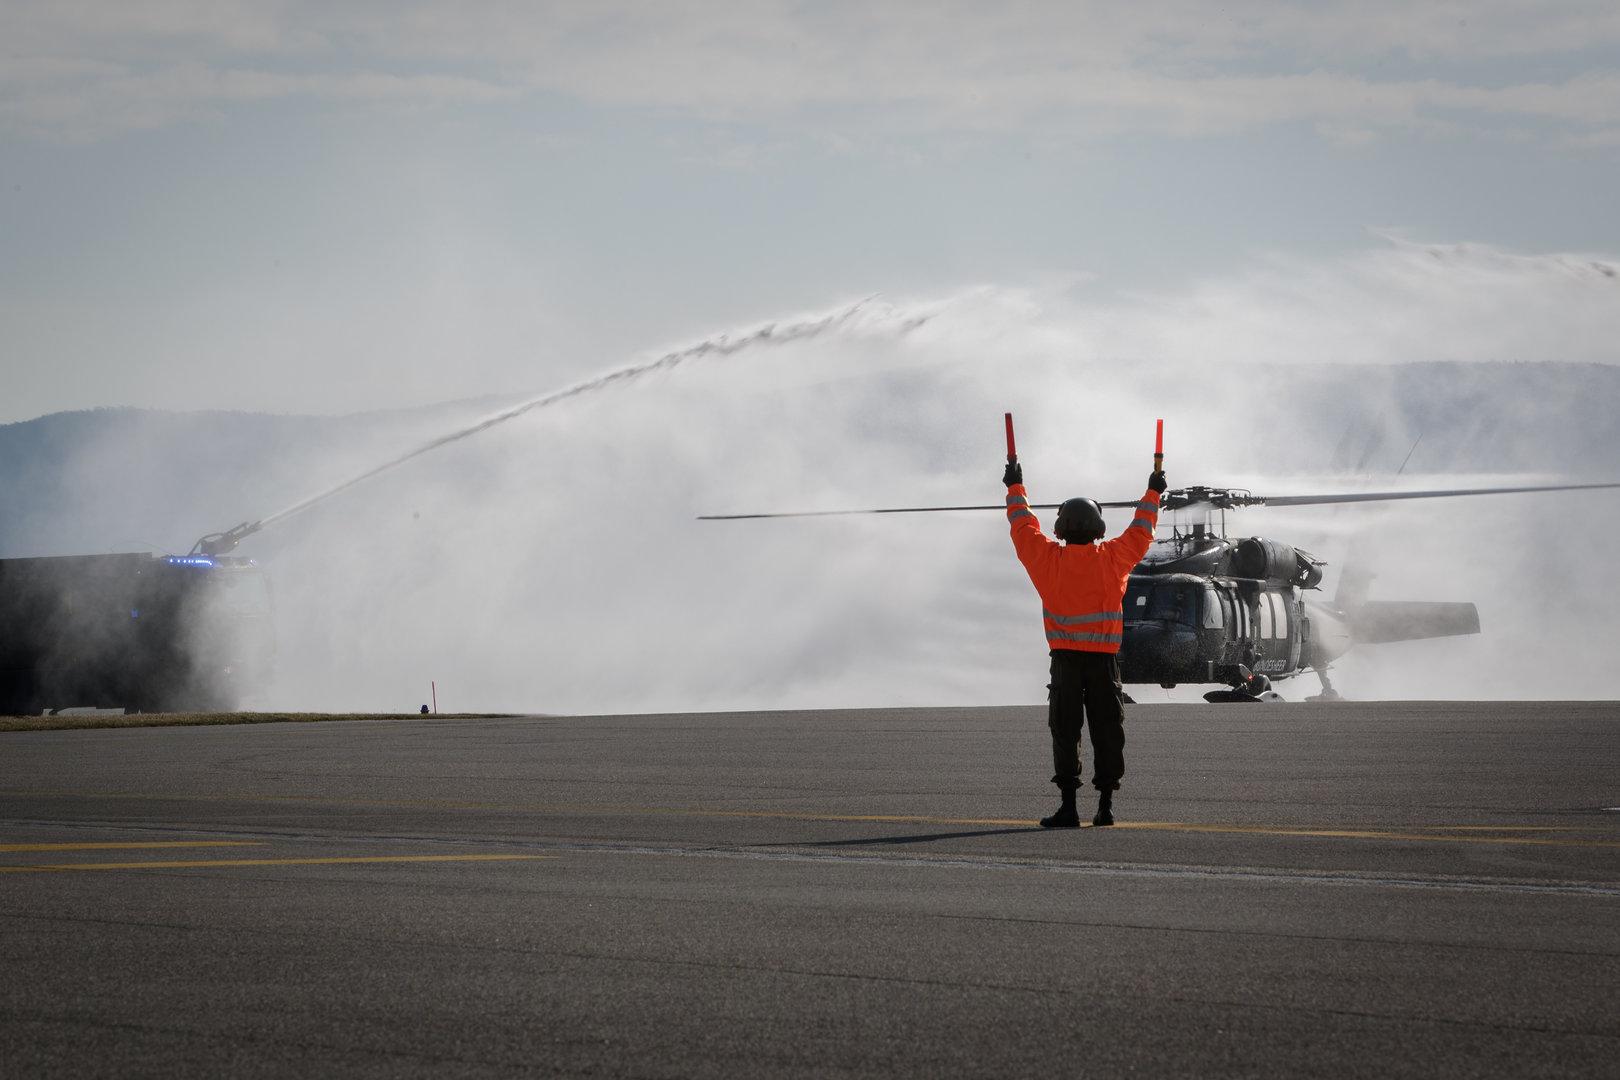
1105	809
1067	817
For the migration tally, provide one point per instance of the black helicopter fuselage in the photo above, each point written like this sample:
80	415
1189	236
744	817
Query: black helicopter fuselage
1205	609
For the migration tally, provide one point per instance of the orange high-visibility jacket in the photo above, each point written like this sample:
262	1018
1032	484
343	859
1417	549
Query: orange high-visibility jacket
1082	586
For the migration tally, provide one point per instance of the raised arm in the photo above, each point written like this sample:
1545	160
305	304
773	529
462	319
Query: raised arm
1031	544
1128	548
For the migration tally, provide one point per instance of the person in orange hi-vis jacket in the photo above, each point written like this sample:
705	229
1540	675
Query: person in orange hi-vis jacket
1082	587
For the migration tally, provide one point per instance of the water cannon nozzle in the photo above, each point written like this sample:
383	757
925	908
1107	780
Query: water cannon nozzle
223	543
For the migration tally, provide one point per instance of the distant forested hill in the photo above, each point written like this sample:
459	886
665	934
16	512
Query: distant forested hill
123	479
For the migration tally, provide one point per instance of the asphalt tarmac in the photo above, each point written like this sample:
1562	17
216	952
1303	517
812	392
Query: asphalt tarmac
1293	890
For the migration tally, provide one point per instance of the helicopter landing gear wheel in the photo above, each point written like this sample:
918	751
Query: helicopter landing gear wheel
1221	697
1249	687
1328	693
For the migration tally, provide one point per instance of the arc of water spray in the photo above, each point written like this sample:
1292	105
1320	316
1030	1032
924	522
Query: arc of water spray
725	345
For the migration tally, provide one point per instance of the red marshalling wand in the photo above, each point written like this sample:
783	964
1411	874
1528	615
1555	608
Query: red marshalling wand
1158	447
1012	447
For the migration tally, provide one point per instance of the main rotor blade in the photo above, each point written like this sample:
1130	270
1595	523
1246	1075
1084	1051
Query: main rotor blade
895	510
1230	500
1390	496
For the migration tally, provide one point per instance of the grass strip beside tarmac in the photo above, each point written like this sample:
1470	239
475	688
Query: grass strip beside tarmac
77	721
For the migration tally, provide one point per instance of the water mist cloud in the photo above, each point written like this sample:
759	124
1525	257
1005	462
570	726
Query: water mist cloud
553	562
1398	302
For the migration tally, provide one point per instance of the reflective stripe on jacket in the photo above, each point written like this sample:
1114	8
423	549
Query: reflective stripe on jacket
1082	586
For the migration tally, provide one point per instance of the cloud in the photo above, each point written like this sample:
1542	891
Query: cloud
1181	68
1397	302
78	99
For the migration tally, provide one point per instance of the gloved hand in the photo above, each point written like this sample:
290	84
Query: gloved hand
1013	475
1156	482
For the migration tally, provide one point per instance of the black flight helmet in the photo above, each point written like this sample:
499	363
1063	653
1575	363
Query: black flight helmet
1079	521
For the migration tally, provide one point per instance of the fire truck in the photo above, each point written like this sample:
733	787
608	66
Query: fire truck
141	632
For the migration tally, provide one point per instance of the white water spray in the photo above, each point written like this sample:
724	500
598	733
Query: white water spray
722	346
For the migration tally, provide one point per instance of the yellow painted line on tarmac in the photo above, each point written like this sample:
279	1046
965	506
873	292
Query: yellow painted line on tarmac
1505	828
195	864
96	846
803	815
540	808
1434	834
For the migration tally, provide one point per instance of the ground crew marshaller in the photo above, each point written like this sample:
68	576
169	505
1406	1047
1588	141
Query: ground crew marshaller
1082	587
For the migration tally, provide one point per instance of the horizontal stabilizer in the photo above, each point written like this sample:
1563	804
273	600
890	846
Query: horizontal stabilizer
1380	621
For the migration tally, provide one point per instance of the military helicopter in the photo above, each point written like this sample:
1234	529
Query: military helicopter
1204	607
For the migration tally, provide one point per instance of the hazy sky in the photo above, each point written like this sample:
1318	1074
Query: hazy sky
318	207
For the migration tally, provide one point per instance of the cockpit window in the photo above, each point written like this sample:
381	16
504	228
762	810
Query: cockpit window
1165	601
